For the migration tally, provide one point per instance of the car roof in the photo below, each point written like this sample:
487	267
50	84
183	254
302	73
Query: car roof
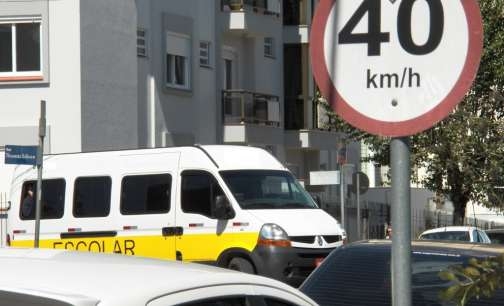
448	245
450	229
111	277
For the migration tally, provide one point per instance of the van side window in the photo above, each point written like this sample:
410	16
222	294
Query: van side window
91	197
199	190
53	199
145	194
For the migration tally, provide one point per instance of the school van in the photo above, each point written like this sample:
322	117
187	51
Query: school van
232	206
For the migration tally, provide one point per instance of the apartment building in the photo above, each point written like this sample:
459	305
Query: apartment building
119	74
126	74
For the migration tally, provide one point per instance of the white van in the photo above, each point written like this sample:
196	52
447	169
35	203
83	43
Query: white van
233	206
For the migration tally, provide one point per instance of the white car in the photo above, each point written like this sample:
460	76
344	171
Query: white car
456	233
58	277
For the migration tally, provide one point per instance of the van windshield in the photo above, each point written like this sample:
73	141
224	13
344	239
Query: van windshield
267	189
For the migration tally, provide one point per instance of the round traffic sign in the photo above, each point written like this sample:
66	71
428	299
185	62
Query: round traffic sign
395	67
363	182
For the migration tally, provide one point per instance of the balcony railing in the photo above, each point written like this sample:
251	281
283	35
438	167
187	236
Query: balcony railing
267	7
245	107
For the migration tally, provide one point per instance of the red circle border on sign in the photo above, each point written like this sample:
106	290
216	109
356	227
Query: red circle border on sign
399	128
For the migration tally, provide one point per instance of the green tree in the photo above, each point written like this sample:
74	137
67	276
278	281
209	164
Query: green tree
463	154
478	279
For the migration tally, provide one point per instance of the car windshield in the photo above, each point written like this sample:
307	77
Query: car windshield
450	235
267	189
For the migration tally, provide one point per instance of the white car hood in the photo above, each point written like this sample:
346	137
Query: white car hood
300	222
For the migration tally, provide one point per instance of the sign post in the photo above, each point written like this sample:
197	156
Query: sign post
360	184
40	161
395	68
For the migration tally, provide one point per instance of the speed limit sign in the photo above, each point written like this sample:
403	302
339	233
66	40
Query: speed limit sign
395	67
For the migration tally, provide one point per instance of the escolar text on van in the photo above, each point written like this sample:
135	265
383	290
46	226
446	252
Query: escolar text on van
232	206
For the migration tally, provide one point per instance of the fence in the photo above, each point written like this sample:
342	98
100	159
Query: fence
4	209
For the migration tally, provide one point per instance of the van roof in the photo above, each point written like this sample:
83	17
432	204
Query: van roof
224	157
110	277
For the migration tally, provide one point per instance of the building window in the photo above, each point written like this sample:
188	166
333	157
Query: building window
20	49
145	194
178	55
269	47
204	53
92	197
141	42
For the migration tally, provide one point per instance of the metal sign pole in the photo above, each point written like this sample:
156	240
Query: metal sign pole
357	194
40	160
401	222
342	196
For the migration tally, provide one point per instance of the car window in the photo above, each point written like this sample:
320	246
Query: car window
276	302
449	235
53	199
145	194
199	191
476	237
483	237
220	301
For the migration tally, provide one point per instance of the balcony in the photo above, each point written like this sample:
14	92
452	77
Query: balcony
255	17
245	107
306	125
251	117
266	7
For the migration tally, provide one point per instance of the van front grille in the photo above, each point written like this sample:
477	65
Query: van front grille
303	239
332	238
311	239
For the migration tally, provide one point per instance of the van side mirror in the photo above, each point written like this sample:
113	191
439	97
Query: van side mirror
223	209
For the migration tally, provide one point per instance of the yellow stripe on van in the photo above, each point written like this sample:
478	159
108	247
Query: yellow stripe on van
208	247
146	246
193	247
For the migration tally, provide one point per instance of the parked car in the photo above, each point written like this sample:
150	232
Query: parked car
60	277
358	274
496	235
457	233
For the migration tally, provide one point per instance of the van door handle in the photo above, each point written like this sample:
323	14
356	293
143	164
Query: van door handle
172	231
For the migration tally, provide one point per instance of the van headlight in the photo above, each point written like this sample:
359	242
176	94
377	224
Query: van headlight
273	235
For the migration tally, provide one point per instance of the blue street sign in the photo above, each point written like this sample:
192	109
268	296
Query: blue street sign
21	155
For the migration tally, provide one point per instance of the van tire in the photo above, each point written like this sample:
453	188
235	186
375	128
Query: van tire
241	264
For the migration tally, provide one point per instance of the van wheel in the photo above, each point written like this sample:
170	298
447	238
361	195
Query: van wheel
241	264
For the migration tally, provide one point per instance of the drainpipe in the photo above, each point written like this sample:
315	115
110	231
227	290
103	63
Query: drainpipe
151	111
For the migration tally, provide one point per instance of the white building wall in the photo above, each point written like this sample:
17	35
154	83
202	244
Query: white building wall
20	104
181	116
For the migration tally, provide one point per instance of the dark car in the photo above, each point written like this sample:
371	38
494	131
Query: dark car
359	274
496	235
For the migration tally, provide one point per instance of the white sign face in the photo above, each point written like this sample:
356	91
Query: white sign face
324	178
395	67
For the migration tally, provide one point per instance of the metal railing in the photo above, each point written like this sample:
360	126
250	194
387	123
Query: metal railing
246	107
268	7
4	208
